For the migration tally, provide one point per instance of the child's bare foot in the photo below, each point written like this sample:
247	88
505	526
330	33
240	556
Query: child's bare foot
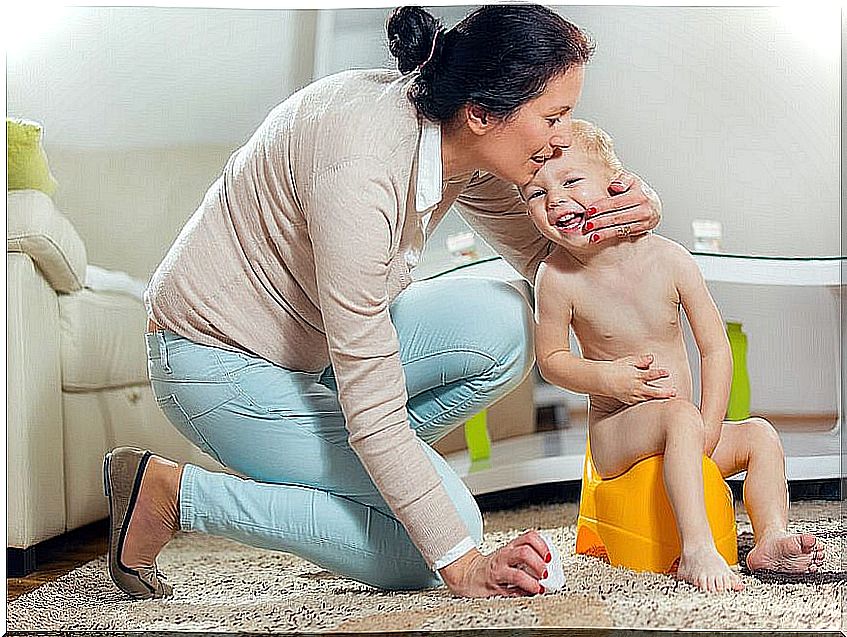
786	552
707	570
155	518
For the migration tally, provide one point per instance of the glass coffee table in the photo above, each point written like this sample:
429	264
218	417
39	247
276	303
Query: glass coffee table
557	456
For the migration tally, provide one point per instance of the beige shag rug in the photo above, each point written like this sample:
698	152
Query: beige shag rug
223	586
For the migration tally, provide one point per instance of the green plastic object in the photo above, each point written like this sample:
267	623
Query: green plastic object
739	394
476	435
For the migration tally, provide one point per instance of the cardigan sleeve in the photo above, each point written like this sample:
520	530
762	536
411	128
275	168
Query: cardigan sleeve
494	209
354	221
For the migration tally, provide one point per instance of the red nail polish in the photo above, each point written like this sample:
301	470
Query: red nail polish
547	559
589	226
591	211
595	238
544	575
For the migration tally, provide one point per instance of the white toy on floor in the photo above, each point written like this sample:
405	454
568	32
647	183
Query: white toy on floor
555	579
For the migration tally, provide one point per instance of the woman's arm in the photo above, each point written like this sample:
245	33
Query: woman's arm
710	335
352	214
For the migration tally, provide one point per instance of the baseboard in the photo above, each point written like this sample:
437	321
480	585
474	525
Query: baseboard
556	492
22	562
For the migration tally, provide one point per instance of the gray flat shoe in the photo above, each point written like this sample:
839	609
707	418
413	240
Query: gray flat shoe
123	469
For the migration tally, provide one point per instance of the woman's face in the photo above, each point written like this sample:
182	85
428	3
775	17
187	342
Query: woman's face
517	148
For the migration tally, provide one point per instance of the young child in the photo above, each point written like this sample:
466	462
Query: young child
634	366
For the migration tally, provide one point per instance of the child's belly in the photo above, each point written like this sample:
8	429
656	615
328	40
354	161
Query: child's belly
670	357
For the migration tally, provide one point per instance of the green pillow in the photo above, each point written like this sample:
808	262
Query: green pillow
26	162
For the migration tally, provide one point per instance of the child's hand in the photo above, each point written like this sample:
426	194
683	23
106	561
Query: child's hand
632	381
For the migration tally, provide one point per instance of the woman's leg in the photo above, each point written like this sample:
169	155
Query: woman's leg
464	343
309	494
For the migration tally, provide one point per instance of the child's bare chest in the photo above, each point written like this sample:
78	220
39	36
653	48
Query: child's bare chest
614	311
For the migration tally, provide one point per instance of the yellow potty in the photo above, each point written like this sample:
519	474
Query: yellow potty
628	519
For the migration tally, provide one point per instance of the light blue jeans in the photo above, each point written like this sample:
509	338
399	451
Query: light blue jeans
464	343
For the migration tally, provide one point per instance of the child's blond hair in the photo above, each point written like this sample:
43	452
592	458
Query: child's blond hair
597	143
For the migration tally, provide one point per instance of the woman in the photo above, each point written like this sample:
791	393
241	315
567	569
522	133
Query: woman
278	340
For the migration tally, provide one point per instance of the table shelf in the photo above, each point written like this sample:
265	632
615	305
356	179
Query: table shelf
557	456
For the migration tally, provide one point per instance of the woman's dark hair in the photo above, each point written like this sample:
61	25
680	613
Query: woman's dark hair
498	58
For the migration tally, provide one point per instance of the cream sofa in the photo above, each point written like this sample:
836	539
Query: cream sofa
76	382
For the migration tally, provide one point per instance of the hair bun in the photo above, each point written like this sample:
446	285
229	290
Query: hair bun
411	33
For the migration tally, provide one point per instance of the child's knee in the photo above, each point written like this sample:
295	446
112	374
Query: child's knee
762	435
683	414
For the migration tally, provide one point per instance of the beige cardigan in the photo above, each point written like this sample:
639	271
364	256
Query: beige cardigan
298	248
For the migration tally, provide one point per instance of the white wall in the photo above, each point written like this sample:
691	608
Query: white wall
129	205
730	113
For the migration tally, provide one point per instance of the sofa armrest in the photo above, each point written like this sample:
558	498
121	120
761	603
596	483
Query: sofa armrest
36	228
35	475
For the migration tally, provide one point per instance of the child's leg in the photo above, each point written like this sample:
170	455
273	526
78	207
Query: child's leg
673	428
753	445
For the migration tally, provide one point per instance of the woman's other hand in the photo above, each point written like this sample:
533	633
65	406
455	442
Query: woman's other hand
632	208
512	570
632	380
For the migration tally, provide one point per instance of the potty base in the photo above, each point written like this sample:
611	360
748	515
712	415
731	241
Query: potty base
628	520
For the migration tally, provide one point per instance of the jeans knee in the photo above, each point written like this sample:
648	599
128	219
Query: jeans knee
509	329
407	579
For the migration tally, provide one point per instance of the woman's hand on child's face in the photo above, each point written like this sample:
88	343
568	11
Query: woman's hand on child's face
632	209
633	380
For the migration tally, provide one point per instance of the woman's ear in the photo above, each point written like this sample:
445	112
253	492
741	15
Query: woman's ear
478	119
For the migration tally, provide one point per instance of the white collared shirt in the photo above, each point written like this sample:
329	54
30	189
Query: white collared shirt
428	188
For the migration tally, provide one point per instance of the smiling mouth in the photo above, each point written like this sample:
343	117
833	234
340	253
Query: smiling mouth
570	222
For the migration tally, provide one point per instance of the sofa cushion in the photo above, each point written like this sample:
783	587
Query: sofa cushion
35	227
26	162
102	341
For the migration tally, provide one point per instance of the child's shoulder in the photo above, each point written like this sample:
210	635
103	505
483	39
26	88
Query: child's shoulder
560	265
668	249
675	259
557	268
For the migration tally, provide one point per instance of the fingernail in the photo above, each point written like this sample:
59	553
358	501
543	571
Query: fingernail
547	558
595	238
541	592
544	575
591	211
589	226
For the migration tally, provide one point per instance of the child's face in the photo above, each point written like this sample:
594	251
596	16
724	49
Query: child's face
561	192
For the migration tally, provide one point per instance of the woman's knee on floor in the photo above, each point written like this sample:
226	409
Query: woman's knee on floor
506	324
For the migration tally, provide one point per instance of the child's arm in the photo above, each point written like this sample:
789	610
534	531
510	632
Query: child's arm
627	379
710	336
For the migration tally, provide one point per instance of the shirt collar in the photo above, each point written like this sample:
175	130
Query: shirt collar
429	185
